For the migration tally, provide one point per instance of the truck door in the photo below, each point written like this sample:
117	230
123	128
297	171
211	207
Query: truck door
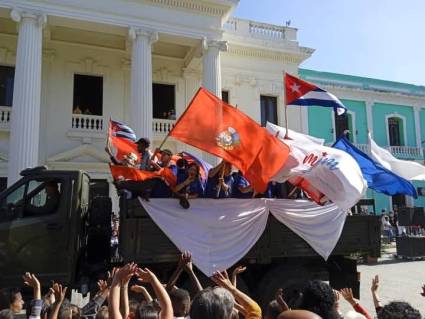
34	229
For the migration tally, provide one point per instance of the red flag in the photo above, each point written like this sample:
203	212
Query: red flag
220	129
135	174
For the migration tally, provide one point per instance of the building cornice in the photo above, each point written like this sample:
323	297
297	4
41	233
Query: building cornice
193	5
266	54
375	96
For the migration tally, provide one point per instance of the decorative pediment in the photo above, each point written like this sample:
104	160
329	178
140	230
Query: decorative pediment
84	153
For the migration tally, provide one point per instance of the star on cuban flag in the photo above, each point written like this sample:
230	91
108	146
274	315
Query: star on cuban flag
302	93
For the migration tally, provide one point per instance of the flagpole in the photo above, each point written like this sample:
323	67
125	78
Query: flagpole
285	106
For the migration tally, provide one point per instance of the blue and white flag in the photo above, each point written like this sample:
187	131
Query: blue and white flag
377	177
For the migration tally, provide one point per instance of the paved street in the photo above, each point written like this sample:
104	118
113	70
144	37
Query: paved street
400	280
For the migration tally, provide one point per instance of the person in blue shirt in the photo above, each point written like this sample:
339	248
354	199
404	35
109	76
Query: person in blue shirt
190	187
241	187
220	181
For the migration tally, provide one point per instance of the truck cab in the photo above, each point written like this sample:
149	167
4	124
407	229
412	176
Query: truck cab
40	231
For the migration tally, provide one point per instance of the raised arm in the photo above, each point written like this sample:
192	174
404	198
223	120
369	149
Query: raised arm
176	274
374	289
250	309
237	271
59	292
188	267
115	291
36	304
145	275
347	293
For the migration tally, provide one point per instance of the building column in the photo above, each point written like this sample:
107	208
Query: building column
417	109
211	79
369	116
141	81
25	117
211	76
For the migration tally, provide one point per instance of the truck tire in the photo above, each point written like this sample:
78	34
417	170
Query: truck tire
101	212
290	278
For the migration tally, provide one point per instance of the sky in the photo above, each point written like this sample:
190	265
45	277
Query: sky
383	39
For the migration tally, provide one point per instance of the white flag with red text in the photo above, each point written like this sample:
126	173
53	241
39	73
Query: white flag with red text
330	171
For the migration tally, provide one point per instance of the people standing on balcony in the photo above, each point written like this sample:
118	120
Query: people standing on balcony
220	181
77	110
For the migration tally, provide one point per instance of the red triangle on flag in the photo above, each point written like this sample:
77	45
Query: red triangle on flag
296	88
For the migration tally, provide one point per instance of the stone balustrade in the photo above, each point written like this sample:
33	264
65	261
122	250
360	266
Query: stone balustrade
5	112
87	123
260	30
162	127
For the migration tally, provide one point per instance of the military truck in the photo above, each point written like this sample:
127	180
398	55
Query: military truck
71	244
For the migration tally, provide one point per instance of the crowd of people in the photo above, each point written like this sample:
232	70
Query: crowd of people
221	181
132	292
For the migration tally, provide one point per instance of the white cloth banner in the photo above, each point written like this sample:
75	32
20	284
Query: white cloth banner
409	170
219	233
319	226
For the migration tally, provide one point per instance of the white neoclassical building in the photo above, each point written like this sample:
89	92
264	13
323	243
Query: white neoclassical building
68	66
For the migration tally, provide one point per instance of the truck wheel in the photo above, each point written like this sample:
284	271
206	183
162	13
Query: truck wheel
287	277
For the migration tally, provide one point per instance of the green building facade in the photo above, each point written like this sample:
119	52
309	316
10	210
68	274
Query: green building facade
394	114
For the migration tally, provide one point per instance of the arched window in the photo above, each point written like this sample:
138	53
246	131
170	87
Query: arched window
395	131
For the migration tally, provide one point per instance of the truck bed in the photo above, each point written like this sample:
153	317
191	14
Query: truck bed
142	240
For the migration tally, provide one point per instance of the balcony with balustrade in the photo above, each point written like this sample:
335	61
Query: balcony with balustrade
96	126
259	30
401	152
5	112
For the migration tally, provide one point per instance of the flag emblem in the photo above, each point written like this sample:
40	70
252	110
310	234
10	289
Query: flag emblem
228	139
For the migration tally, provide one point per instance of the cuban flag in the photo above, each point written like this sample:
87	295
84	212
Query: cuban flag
119	129
302	93
121	141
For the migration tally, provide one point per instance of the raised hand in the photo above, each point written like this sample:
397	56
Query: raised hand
347	293
124	274
238	270
222	279
280	300
102	285
32	281
59	292
111	275
375	284
187	261
145	275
